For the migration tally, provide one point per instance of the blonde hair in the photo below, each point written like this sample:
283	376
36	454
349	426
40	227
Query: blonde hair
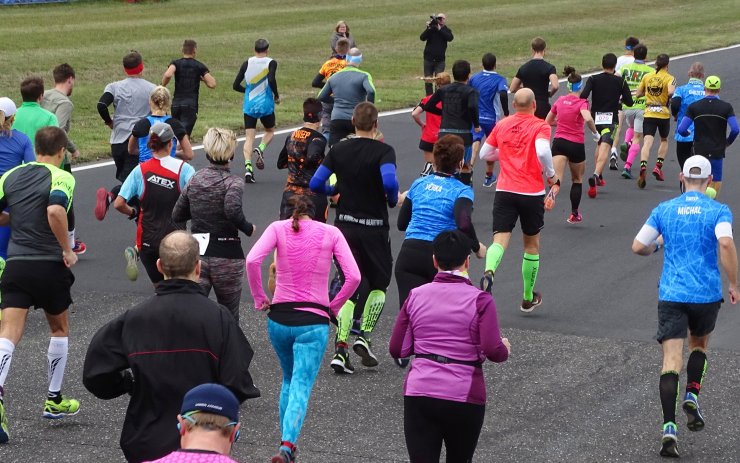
209	422
6	123
219	144
160	98
442	79
341	23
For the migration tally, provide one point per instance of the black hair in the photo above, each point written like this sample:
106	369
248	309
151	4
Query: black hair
661	61
261	45
450	249
461	70
571	74
609	61
489	61
640	52
631	42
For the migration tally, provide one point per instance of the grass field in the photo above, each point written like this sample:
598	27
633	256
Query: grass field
93	36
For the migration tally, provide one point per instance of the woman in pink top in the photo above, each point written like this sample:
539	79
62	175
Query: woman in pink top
299	313
569	113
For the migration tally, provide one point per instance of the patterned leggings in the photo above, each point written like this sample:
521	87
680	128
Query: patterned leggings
300	350
225	277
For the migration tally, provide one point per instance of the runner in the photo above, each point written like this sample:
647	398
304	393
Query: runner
539	76
459	112
39	260
605	89
711	117
657	88
686	95
188	73
260	98
157	184
493	104
212	201
627	58
159	103
346	88
633	115
300	310
569	113
330	67
522	144
691	228
430	124
130	98
367	185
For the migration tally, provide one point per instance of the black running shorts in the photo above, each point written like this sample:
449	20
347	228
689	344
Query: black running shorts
508	207
38	283
606	133
675	318
575	152
371	248
267	121
650	125
426	146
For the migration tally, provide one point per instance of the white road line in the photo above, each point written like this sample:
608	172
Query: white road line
408	110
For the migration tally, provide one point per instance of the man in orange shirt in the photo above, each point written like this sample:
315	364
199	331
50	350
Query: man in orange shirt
521	143
336	63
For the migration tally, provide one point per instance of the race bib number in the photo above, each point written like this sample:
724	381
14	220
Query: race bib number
203	240
655	109
604	118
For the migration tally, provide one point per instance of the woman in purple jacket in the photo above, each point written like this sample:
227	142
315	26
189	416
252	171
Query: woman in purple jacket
451	327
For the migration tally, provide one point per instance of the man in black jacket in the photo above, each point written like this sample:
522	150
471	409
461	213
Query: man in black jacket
436	36
162	348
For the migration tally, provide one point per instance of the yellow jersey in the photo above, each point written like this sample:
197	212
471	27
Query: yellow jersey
655	87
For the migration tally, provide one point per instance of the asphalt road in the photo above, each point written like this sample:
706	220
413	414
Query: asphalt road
581	384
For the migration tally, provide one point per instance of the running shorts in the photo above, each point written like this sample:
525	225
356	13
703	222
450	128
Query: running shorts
575	152
634	118
675	318
267	121
371	248
606	132
684	150
41	284
508	207
320	206
716	169
652	124
426	146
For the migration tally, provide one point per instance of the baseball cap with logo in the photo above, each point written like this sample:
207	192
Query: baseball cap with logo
211	398
712	83
697	166
7	106
163	131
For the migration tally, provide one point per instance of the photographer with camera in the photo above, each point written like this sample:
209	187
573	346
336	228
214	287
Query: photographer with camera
436	36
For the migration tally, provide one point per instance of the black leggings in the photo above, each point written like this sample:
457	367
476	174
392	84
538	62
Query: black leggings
427	422
414	267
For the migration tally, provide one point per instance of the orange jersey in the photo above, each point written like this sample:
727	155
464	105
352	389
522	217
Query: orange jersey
331	66
514	136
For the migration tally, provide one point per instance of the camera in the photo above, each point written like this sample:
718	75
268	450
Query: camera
433	21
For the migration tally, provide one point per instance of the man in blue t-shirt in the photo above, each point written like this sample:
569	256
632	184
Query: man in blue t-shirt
690	291
684	96
493	105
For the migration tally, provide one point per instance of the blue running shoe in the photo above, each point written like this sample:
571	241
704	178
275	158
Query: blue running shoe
693	412
490	180
669	441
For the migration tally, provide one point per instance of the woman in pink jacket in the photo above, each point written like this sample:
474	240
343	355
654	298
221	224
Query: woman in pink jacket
300	311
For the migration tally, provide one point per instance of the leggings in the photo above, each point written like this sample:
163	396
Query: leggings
300	350
225	277
414	267
427	422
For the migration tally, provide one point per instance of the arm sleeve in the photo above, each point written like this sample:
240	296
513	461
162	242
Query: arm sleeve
235	357
390	182
141	128
683	127
586	89
282	160
271	77
318	81
490	334
463	213
240	78
647	235
504	95
105	100
264	246
402	338
181	211
315	152
404	215
349	267
105	362
734	129
369	88
318	183
675	105
233	210
431	105
544	154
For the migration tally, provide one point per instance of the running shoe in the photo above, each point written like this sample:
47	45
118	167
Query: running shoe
132	262
402	362
335	286
528	306
79	248
592	186
55	411
486	282
658	173
627	173
669	441
340	363
600	181
624	149
641	181
490	180
695	420
4	433
613	165
362	348
260	161
102	203
575	217
249	177
283	457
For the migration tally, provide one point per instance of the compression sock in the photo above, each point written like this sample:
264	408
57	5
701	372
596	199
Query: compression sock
530	267
632	154
344	321
643	164
659	163
6	354
669	395
373	308
628	135
57	356
262	147
248	165
696	368
493	257
576	190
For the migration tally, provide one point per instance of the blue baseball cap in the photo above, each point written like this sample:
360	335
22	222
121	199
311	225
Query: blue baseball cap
211	398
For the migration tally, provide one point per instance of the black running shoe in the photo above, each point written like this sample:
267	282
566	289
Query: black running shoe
486	282
340	363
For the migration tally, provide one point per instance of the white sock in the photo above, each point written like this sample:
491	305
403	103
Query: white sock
6	354
57	356
71	238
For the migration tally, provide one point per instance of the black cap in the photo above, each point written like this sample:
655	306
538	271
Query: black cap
451	248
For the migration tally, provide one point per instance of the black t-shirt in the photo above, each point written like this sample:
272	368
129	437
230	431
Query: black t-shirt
535	75
188	73
459	106
357	161
302	155
710	126
141	128
606	91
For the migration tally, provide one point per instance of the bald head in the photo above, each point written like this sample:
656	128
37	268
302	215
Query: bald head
524	101
178	256
354	57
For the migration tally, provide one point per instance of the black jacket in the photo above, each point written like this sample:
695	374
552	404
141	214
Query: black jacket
436	39
172	342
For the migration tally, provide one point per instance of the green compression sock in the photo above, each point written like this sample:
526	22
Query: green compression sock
493	257
344	321
262	147
373	309
530	267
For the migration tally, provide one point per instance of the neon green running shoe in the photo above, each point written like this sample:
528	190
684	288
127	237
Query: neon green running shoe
132	263
66	407
4	434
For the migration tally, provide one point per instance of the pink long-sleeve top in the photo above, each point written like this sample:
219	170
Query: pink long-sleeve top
452	318
303	263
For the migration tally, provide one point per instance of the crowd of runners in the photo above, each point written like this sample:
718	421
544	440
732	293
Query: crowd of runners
446	327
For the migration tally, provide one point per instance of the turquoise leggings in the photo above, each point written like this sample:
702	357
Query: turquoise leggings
300	350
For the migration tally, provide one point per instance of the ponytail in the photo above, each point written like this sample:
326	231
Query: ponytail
301	206
5	122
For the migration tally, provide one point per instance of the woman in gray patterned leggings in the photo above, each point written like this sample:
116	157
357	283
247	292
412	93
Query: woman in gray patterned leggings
212	201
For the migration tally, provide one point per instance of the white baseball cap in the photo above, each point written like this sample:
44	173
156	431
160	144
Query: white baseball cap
7	106
697	162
